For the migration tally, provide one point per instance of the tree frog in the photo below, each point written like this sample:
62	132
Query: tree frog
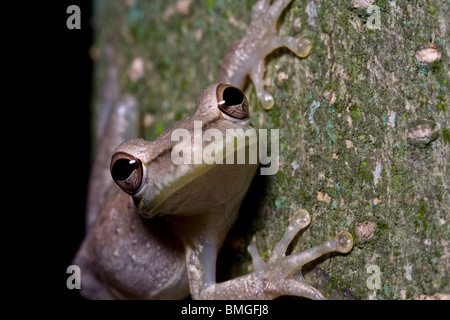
155	232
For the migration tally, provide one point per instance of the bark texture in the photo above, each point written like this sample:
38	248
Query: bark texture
363	123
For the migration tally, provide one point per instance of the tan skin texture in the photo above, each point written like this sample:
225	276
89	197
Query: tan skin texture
160	238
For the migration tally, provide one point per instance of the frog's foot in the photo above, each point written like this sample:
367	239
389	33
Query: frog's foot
246	56
268	15
278	271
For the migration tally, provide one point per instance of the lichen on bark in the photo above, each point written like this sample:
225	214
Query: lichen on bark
363	125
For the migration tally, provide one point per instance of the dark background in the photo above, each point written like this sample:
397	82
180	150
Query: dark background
45	144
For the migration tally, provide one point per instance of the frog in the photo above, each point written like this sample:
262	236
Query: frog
155	226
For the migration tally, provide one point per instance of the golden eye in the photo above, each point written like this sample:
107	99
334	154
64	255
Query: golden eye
126	171
232	101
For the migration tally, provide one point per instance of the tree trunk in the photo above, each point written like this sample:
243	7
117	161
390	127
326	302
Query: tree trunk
364	136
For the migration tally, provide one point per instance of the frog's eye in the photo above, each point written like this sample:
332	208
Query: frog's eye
232	102
126	170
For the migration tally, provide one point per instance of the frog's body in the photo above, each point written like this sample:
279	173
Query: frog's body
125	256
163	241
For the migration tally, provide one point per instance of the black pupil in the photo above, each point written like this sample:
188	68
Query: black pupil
233	96
122	169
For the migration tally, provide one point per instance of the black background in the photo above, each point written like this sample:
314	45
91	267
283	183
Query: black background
45	144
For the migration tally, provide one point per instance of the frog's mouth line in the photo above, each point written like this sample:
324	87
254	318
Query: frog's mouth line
148	209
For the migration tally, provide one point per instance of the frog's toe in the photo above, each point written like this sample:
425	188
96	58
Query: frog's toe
266	100
256	75
342	242
280	270
300	46
259	8
299	288
258	262
284	270
297	222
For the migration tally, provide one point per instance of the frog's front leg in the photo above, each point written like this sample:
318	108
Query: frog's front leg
270	279
246	56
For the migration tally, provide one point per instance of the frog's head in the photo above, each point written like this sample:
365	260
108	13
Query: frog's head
170	174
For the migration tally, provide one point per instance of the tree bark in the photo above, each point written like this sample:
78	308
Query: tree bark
363	124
